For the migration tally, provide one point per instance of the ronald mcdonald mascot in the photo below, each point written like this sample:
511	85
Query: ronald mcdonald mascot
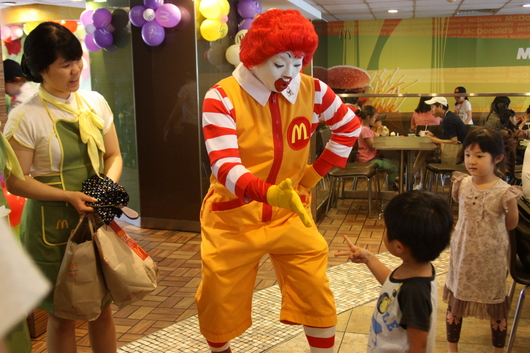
257	126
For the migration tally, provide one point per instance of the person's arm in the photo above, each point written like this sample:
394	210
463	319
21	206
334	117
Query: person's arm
417	339
360	255
469	116
453	140
512	216
112	158
33	189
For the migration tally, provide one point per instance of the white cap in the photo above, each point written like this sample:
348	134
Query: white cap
440	100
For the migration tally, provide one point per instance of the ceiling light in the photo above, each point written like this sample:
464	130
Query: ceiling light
8	3
393	11
526	5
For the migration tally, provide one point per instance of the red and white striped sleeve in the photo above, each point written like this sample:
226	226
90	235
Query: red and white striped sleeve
345	128
219	127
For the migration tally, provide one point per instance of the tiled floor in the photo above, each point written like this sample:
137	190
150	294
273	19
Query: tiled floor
166	321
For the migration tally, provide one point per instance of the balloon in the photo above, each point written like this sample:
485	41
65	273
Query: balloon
101	18
232	54
240	35
149	14
30	26
5	32
111	48
110	28
86	17
153	4
90	28
168	15
245	24
103	38
153	34
223	18
16	204
216	56
210	8
225	7
211	29
121	37
119	18
16	32
247	8
71	25
90	44
136	16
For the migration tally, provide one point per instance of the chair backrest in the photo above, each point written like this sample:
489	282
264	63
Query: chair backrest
435	129
450	153
323	136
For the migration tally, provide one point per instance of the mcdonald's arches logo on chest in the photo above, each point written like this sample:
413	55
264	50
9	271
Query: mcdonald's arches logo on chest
299	133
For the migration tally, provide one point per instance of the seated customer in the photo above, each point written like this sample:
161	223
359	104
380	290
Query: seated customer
453	132
423	115
498	105
366	151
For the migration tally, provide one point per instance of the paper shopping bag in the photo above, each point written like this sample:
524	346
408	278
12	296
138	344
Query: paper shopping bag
80	290
130	273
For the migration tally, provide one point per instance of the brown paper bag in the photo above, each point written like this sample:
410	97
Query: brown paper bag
130	274
80	290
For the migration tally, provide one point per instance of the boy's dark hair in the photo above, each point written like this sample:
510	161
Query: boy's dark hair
45	44
422	221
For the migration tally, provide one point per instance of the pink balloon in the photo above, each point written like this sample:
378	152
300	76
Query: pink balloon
168	15
86	17
90	44
5	32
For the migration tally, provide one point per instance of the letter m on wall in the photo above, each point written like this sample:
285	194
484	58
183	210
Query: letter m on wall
523	53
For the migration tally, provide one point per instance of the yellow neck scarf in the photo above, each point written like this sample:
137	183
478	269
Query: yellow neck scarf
90	125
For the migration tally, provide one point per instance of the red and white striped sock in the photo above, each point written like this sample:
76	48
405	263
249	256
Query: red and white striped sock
223	347
320	339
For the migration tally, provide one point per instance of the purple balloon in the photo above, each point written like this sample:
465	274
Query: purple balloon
168	15
90	44
259	8
101	18
103	38
247	8
136	16
86	17
153	4
245	24
153	34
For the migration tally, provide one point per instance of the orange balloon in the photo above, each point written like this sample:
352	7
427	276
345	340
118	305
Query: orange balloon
71	25
16	205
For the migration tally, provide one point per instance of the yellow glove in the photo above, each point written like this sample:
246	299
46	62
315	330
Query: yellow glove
284	196
310	178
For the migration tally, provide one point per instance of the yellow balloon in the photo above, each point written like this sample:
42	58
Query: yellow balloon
30	26
210	8
211	29
225	6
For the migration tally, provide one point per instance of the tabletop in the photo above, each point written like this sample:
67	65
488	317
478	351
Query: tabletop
410	143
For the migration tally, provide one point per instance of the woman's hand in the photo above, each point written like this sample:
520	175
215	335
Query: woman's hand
79	200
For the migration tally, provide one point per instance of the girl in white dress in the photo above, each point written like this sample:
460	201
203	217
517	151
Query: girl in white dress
476	280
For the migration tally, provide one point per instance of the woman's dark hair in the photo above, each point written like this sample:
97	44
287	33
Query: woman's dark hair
505	116
496	143
528	110
499	104
366	111
422	221
45	44
422	106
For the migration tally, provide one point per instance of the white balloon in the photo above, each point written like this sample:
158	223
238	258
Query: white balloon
149	14
240	35
232	54
90	28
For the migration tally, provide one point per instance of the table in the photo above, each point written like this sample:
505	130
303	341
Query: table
402	144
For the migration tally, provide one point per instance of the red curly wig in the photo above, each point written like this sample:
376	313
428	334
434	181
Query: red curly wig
278	31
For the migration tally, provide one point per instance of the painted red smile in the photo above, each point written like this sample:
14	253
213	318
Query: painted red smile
281	84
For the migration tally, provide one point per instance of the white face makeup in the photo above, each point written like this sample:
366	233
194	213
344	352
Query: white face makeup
278	71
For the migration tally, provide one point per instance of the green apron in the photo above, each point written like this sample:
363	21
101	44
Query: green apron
18	339
46	225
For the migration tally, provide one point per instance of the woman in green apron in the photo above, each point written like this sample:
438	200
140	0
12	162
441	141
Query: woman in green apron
61	137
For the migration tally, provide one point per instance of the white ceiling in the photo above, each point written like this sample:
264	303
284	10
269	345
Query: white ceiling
347	10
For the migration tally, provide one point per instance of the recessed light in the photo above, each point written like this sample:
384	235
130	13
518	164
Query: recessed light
393	11
8	3
526	5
